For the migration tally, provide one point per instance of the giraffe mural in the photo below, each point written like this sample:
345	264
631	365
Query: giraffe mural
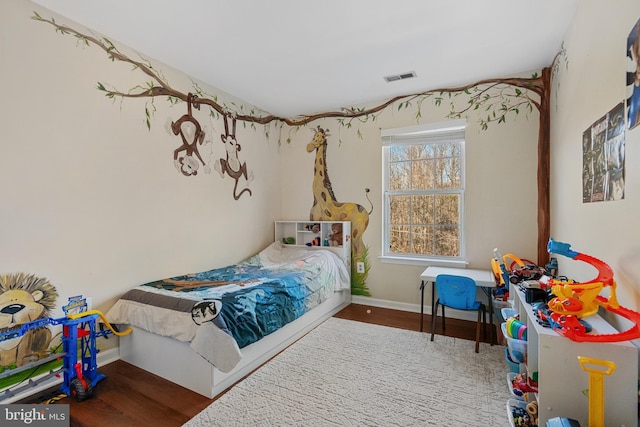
326	208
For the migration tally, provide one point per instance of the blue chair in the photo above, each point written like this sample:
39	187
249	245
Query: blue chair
459	293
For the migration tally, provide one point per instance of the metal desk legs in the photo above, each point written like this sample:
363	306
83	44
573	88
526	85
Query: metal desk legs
423	284
492	329
487	291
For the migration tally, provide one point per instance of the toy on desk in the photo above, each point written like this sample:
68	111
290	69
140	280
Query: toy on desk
576	300
499	266
517	271
501	274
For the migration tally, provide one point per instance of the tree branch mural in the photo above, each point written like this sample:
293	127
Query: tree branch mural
498	97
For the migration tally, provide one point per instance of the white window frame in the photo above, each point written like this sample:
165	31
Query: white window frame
449	131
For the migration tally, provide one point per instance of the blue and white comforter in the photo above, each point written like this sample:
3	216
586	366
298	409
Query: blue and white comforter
222	310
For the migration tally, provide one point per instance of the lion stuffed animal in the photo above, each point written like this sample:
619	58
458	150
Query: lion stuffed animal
24	298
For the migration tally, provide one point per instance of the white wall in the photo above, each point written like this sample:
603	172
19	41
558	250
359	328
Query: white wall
90	198
591	85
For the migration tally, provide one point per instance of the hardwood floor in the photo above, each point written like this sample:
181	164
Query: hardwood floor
129	396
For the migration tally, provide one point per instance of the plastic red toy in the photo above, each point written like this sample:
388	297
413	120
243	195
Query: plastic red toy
576	300
522	384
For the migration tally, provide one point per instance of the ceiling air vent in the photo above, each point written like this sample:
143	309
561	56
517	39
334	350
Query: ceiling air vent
396	77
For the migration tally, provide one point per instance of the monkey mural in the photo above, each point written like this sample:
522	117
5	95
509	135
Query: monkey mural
231	164
192	134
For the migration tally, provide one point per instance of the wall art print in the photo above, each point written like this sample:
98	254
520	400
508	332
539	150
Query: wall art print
603	152
633	76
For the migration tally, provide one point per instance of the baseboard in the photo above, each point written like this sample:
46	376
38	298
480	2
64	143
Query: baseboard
107	356
413	308
394	305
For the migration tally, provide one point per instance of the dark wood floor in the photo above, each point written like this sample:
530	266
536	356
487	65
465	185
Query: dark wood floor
129	396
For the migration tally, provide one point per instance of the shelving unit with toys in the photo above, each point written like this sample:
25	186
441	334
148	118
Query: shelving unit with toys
562	383
302	233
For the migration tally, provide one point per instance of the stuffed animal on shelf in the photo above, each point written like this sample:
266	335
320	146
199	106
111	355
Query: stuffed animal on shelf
315	229
336	235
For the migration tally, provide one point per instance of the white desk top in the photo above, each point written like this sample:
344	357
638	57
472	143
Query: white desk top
483	278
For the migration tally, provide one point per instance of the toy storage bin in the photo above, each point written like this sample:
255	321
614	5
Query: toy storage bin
498	306
500	303
517	348
513	365
514	404
510	377
508	312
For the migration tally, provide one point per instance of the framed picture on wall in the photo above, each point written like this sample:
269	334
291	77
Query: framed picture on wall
633	76
603	152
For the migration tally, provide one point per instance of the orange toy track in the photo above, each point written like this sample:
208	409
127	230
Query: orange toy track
567	323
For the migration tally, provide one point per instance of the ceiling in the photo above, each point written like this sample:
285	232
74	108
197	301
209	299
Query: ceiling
296	57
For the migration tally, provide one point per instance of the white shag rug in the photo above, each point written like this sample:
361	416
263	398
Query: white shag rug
347	373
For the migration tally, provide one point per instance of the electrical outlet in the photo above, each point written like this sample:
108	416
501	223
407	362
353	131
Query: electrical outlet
360	267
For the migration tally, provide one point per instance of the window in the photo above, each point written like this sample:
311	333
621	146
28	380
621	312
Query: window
423	189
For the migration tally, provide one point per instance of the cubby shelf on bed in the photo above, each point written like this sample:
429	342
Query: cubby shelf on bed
298	233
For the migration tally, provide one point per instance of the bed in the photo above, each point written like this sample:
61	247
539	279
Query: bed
206	331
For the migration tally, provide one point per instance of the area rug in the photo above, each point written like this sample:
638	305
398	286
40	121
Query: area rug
347	373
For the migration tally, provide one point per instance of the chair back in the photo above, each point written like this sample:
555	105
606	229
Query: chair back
457	292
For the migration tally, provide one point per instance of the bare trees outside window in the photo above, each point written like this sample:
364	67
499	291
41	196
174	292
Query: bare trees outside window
424	191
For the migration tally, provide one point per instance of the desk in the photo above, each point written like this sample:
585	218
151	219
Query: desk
483	278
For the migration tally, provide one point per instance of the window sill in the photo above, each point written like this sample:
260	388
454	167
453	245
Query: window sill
459	263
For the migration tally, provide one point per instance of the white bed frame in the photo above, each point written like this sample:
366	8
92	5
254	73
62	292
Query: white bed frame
177	362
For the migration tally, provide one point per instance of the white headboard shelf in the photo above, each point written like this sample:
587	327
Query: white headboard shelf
301	233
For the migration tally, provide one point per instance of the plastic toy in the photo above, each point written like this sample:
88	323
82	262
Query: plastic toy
562	422
336	235
501	274
79	366
525	417
596	387
575	300
315	229
516	329
522	384
500	270
518	270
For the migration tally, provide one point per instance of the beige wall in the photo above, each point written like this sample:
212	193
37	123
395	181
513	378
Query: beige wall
501	188
591	85
94	203
90	198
